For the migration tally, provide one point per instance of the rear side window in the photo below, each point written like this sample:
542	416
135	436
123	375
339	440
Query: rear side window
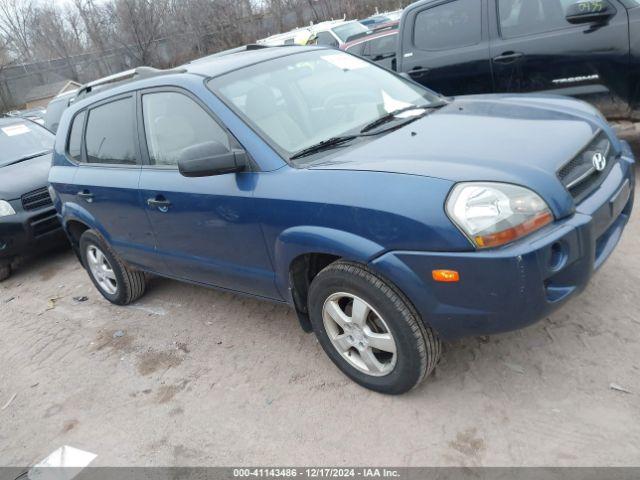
357	49
173	122
75	138
451	25
383	47
326	39
110	133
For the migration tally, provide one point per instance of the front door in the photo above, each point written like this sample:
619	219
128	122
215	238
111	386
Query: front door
538	50
445	47
206	228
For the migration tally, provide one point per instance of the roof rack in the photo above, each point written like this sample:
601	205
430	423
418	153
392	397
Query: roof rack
243	48
133	74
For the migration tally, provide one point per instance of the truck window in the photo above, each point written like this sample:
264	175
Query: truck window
110	133
528	17
383	47
451	25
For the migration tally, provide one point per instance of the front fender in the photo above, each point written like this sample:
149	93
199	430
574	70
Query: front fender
302	240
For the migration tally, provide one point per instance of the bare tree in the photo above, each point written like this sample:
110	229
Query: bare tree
5	61
56	35
16	26
139	26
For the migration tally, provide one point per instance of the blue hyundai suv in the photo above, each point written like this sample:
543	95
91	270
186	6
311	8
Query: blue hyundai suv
389	217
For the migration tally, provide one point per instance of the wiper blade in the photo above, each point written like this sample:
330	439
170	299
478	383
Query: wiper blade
28	157
393	115
324	145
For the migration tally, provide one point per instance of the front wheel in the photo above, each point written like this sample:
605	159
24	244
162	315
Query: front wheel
116	281
370	330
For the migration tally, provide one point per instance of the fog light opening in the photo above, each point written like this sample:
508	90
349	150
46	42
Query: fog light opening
557	257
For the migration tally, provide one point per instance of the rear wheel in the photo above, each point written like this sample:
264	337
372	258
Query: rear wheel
117	282
370	330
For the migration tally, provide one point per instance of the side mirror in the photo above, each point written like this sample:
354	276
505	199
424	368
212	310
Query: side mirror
209	159
590	11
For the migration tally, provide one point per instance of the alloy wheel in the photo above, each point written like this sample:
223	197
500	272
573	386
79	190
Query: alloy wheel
359	334
101	270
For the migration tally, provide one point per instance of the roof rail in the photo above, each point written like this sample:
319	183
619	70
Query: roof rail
133	74
243	48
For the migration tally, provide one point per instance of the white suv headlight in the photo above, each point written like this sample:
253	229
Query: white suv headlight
494	214
6	209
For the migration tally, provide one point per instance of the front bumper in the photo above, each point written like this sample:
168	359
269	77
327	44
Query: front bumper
28	231
517	285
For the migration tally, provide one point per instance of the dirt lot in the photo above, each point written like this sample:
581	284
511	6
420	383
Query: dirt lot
206	378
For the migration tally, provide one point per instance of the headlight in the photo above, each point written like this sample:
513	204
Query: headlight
6	209
494	214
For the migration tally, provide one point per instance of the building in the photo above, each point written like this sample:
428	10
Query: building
41	95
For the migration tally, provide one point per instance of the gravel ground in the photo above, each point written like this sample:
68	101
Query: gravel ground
200	377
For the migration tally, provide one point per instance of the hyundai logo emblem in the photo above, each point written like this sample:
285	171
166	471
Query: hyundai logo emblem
599	162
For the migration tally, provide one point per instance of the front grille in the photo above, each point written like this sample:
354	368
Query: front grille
36	199
43	223
580	177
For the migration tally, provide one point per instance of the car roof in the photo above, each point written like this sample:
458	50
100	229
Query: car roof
206	67
11	120
214	66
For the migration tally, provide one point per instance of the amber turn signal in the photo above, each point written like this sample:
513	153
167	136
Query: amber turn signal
446	276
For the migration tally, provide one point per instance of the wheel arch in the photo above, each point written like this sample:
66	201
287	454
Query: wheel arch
302	252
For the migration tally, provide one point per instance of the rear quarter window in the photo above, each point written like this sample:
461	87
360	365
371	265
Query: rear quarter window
75	137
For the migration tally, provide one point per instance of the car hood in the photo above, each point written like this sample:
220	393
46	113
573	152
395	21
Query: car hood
521	139
24	177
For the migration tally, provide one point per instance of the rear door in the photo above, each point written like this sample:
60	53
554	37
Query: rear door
205	228
535	49
106	180
445	46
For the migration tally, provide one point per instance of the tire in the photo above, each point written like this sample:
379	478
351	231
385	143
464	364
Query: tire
5	271
117	282
409	350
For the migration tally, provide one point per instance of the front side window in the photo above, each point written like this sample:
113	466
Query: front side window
298	100
451	25
110	137
173	122
75	137
20	140
528	17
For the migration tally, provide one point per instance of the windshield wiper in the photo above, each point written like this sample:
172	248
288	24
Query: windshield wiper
324	145
28	157
393	115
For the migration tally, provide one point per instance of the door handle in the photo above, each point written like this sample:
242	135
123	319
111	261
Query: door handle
159	202
508	57
86	195
418	70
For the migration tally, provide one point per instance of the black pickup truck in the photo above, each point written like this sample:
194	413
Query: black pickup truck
586	49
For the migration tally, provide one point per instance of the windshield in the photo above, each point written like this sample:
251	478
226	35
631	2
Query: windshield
298	100
22	139
349	30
